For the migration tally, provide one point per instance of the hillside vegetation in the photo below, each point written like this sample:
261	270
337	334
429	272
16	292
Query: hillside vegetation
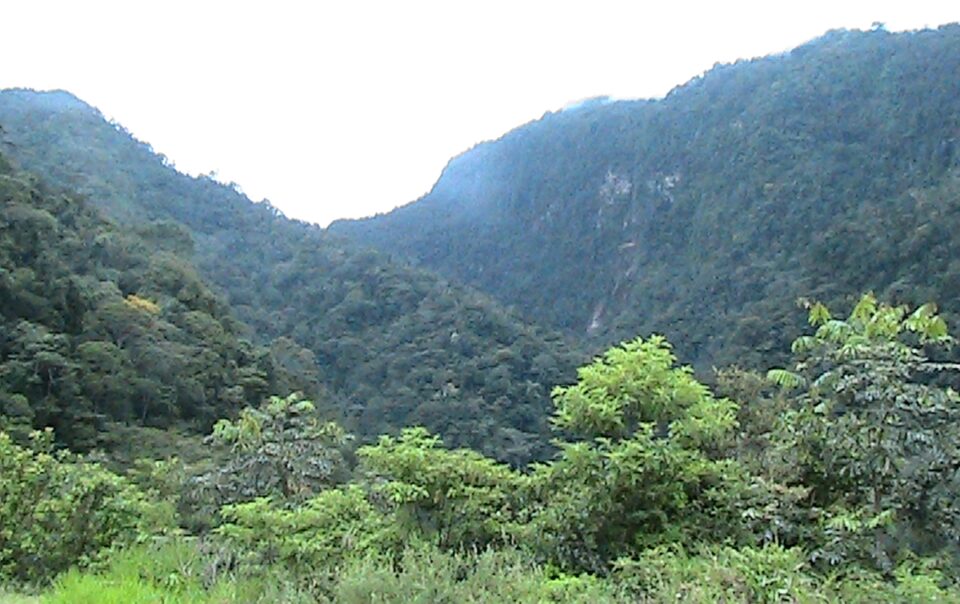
202	401
389	344
100	328
661	491
821	172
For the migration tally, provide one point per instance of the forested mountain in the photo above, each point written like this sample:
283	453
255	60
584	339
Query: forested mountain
135	300
822	172
819	173
98	327
390	345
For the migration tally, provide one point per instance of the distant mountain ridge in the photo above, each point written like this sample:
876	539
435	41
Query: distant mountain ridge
391	345
704	215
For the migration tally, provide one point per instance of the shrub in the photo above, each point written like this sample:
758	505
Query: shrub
427	574
769	575
311	539
57	510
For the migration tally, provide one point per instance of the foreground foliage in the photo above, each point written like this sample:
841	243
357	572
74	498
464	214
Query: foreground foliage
874	432
660	491
640	468
58	511
180	573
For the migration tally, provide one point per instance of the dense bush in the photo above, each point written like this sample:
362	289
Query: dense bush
642	466
489	577
182	572
645	501
58	511
282	448
456	499
769	575
179	572
313	538
872	431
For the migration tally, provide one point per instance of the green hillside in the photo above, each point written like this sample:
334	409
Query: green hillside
182	370
821	172
99	328
391	345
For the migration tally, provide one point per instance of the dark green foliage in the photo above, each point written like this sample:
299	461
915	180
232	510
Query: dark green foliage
643	492
647	472
409	490
400	347
320	535
391	345
97	327
873	434
644	475
821	172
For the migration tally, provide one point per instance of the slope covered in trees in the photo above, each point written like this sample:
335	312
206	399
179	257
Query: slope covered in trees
391	345
832	478
824	171
98	327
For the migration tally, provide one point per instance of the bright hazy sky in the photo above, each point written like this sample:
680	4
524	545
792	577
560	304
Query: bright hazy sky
346	108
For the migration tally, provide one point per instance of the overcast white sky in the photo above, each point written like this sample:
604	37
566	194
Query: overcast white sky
346	108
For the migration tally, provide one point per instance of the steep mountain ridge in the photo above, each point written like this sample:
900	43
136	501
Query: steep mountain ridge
705	214
393	346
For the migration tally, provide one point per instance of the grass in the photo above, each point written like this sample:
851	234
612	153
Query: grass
7	597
